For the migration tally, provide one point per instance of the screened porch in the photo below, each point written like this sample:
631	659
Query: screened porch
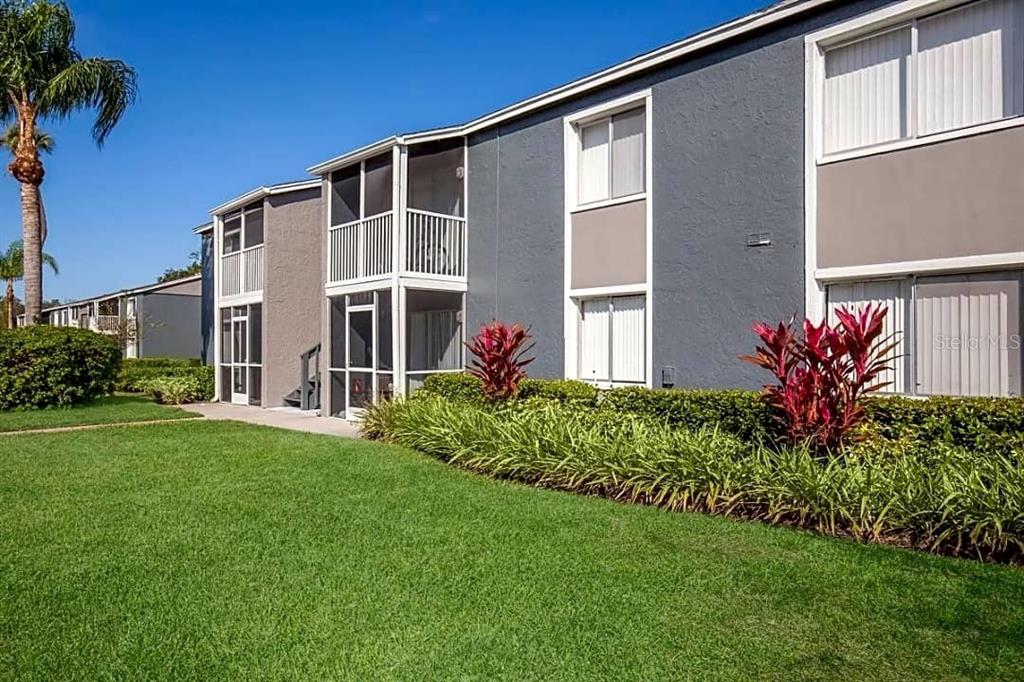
400	211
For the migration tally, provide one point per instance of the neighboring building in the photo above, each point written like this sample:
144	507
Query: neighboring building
209	302
268	287
813	154
156	320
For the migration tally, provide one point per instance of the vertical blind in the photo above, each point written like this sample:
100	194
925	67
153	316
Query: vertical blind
612	343
628	346
968	339
967	69
612	157
962	339
892	294
594	347
866	91
970	65
593	165
628	153
435	340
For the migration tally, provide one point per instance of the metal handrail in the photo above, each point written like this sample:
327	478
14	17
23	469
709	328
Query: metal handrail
309	399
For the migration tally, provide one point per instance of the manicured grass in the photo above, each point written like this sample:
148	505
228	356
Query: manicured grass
206	550
109	410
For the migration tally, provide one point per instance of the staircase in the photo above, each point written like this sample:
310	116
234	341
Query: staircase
307	395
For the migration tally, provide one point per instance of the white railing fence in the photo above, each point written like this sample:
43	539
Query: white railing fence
242	272
360	249
252	263
435	244
107	323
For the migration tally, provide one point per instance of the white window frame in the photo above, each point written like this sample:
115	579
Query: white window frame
900	15
604	114
570	296
611	381
910	333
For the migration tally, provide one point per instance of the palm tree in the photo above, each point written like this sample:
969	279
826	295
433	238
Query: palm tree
42	76
12	269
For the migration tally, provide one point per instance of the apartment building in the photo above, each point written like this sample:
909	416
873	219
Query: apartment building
155	320
266	276
813	154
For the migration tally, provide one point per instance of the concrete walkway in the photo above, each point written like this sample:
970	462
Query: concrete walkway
281	417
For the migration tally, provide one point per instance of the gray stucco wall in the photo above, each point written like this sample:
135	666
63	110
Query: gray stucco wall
171	326
728	141
208	316
292	288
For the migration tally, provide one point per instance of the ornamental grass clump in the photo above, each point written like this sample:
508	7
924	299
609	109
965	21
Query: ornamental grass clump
934	497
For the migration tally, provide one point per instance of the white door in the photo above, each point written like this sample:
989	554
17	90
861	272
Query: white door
239	357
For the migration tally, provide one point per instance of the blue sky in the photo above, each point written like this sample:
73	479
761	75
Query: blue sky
233	95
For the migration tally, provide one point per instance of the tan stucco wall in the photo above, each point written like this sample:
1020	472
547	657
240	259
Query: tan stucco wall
962	197
609	246
292	290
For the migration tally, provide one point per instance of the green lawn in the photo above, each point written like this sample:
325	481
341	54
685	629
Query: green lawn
109	410
210	550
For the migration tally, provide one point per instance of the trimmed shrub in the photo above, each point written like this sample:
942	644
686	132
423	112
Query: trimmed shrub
982	425
934	497
43	366
741	413
195	384
453	386
137	372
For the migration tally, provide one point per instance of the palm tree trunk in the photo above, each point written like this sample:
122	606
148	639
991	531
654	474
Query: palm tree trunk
10	304
31	234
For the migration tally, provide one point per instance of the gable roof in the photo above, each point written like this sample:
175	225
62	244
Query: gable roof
767	16
144	289
265	191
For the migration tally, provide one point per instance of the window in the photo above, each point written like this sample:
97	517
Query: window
345	195
362	190
612	337
960	333
951	70
232	233
253	227
893	294
612	157
243	229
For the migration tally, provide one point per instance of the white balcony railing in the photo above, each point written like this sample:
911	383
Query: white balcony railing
107	323
242	272
435	244
361	249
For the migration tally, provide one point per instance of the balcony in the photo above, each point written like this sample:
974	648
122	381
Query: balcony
434	247
400	212
242	272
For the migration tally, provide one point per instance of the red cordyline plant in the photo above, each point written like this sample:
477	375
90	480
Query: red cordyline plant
499	351
822	374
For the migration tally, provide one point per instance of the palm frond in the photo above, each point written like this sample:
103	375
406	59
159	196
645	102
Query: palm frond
12	136
107	85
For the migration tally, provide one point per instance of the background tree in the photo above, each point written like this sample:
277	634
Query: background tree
194	267
12	269
43	76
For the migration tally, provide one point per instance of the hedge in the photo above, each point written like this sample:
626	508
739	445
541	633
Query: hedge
979	424
43	366
930	496
136	373
189	385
